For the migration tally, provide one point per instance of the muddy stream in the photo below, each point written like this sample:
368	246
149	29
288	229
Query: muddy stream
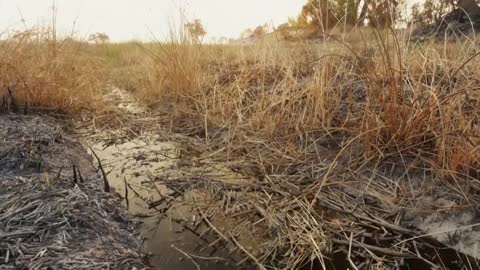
131	166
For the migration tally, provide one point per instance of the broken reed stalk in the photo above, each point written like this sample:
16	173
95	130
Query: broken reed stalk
372	228
375	249
104	175
59	173
80	177
74	174
188	256
126	192
230	239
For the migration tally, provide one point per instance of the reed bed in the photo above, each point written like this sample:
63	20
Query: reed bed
416	100
42	70
349	143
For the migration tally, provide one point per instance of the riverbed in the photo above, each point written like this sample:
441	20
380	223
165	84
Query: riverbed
131	165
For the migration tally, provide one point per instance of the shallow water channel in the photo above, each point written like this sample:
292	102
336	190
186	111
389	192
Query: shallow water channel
131	165
134	164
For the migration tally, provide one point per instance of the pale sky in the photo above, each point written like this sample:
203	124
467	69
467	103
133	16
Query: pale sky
124	20
135	19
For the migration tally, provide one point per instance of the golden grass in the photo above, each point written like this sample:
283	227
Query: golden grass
319	119
44	72
396	99
414	102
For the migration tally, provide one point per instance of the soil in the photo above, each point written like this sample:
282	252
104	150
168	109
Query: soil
51	217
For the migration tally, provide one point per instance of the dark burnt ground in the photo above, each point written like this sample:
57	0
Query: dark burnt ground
456	25
51	217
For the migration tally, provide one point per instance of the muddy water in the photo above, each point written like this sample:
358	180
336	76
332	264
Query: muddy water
131	167
134	163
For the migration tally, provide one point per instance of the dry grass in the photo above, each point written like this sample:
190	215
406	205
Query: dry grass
321	124
327	128
415	100
128	66
45	71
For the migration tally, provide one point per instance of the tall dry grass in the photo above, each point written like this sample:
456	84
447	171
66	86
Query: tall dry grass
330	128
46	71
415	103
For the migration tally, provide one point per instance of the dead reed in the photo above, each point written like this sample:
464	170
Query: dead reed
395	99
48	219
347	142
48	72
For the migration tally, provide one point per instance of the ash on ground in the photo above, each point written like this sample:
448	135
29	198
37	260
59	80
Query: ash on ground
52	217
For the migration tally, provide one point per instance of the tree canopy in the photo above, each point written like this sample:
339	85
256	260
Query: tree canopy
433	11
99	38
196	30
326	14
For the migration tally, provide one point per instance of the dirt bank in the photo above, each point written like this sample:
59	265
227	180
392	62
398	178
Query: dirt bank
54	213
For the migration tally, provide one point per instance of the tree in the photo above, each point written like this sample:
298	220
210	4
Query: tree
346	11
318	13
299	22
99	38
363	12
325	14
433	11
383	13
469	6
260	31
246	33
196	30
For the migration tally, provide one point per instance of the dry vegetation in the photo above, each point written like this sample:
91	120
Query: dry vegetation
51	217
367	123
387	98
343	135
45	71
